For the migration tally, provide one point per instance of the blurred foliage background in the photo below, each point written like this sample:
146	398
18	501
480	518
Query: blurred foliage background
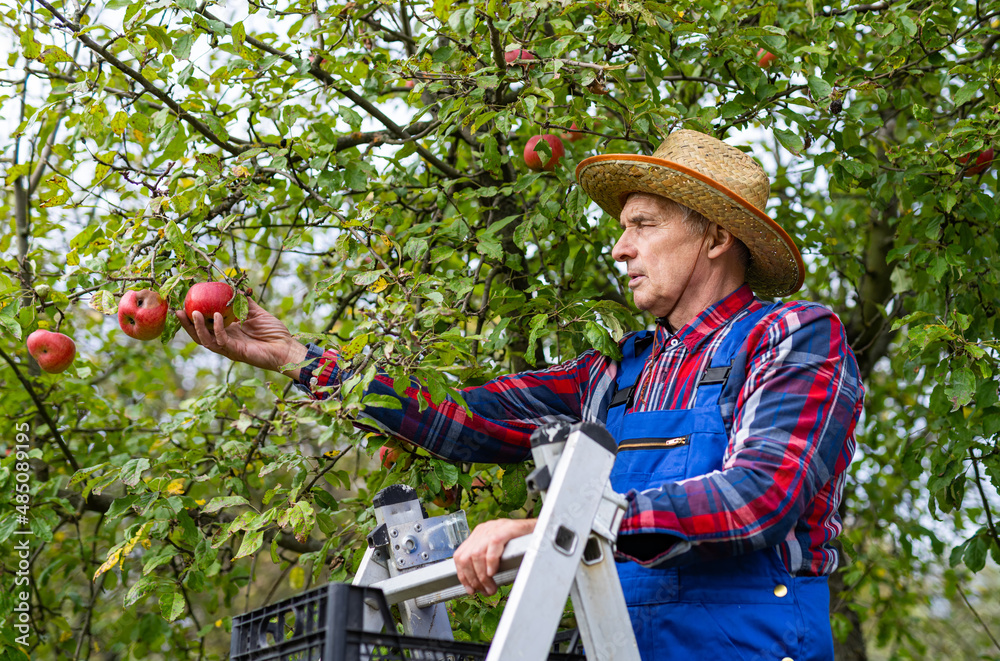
358	166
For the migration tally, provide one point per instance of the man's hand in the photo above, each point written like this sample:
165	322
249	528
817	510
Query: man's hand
261	340
478	558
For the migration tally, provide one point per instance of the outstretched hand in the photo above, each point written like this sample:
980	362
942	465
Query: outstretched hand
260	340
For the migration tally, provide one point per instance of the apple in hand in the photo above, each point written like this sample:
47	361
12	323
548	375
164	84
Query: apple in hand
534	160
54	352
512	56
142	314
209	298
764	58
982	163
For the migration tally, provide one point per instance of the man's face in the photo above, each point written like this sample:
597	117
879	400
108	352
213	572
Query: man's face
660	251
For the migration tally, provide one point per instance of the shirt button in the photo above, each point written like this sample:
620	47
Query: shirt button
780	591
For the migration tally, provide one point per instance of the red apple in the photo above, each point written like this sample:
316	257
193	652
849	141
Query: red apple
534	160
512	56
53	351
447	497
573	134
209	298
764	58
389	455
982	163
142	314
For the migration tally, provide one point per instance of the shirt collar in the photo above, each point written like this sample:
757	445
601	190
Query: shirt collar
706	324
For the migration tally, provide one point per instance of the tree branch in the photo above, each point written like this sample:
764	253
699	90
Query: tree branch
103	52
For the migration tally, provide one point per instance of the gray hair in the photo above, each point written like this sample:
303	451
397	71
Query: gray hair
697	224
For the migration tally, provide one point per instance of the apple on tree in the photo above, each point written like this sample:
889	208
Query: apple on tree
447	497
765	58
142	314
574	134
389	454
209	298
512	56
54	352
533	159
982	163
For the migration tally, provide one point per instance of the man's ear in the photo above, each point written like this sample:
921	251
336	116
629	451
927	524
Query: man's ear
719	241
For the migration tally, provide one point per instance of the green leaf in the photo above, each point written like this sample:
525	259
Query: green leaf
8	319
975	552
446	472
368	278
239	33
820	88
222	502
172	604
967	93
132	471
382	402
463	21
962	387
515	491
142	587
789	140
241	308
252	541
174	236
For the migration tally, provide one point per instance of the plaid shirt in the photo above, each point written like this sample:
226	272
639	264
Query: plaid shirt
791	420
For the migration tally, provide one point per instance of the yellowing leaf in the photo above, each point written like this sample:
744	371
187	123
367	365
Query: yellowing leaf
176	487
117	555
379	285
112	560
297	577
119	122
351	349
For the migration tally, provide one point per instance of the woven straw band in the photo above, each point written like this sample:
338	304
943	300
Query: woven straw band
718	181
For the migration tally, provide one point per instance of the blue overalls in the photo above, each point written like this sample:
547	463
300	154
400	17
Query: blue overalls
746	607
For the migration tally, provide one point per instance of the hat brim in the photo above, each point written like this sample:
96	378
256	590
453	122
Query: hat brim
776	267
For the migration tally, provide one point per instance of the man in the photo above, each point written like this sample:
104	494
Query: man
734	418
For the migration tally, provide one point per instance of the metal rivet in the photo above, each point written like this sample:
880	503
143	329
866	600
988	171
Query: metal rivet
416	527
394	532
780	591
423	555
401	562
396	547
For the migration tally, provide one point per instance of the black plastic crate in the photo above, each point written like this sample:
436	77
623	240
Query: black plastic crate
326	624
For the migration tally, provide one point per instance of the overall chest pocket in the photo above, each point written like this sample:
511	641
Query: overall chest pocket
641	463
662	446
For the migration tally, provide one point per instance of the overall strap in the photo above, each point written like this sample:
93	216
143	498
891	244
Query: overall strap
635	351
713	380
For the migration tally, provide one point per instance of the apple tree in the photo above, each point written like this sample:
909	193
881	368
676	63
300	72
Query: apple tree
358	169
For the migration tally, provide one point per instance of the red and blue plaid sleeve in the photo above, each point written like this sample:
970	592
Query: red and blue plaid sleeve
502	413
791	442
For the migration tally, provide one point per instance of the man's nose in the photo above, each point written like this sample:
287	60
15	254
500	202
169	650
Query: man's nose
623	248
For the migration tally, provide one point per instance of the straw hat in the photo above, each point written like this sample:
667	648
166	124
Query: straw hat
718	181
